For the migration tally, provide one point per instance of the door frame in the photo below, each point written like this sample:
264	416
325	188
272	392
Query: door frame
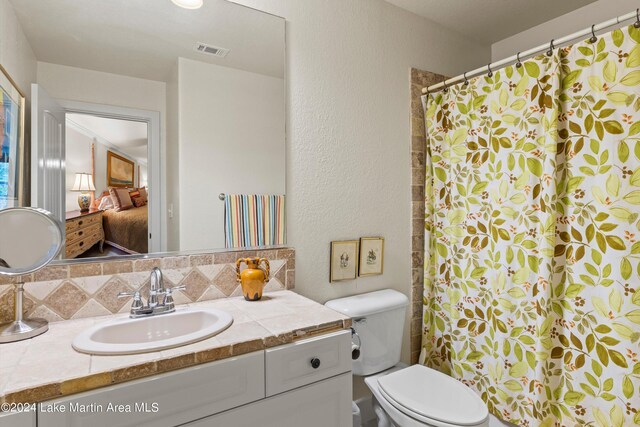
155	165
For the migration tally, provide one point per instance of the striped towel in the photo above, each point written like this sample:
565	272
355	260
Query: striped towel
253	220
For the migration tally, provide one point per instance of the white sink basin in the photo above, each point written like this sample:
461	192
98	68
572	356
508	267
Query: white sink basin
131	336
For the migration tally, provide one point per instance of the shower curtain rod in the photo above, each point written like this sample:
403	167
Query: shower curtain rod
536	50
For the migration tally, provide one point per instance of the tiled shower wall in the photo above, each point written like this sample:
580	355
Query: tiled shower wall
61	292
419	79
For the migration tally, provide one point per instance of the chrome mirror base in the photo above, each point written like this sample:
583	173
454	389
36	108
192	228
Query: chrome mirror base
19	330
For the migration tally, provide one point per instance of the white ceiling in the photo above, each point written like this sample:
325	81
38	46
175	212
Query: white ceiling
490	20
125	136
143	38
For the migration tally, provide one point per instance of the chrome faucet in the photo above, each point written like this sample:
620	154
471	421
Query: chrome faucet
156	286
153	306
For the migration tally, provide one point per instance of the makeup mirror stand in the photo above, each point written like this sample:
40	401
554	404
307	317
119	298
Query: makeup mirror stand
31	239
21	329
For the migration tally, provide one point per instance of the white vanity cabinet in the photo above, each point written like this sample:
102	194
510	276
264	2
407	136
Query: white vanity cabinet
18	419
309	378
323	404
163	400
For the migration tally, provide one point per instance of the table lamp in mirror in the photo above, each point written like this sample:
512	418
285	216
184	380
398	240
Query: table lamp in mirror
84	185
29	240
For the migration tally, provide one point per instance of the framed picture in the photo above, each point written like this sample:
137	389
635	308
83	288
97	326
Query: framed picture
344	260
120	171
371	256
12	110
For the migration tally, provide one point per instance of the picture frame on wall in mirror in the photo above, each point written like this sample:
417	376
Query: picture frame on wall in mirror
120	171
344	260
371	256
12	119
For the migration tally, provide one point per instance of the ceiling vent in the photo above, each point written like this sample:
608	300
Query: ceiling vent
220	52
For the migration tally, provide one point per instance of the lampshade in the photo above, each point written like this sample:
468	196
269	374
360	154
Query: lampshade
84	182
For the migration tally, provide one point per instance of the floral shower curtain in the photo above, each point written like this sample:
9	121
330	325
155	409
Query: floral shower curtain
532	266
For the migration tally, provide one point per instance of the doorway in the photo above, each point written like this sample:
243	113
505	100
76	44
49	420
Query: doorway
103	153
49	174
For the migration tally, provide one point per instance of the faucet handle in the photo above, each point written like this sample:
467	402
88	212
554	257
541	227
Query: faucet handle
176	288
168	296
137	299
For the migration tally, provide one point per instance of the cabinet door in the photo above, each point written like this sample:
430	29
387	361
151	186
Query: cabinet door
168	399
18	419
323	404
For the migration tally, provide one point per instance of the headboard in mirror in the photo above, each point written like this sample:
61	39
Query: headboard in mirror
139	114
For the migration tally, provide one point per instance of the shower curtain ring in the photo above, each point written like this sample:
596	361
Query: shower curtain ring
466	81
551	47
519	63
490	73
593	38
444	85
637	23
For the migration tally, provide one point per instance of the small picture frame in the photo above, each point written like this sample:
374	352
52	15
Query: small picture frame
344	260
371	256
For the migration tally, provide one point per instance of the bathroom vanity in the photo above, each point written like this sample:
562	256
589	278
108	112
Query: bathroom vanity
282	360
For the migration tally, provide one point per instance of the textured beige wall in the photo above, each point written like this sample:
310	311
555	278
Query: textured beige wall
16	55
348	130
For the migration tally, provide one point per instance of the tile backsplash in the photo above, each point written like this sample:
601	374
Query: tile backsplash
77	290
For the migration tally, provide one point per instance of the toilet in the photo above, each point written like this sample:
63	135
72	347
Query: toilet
403	396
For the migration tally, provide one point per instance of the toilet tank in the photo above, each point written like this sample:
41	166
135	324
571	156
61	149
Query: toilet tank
378	319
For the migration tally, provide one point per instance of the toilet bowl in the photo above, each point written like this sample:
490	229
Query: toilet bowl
403	396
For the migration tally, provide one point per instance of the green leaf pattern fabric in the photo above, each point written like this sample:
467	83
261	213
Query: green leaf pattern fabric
532	266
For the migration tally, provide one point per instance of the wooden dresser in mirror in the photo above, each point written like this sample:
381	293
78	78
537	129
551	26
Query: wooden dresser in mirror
84	229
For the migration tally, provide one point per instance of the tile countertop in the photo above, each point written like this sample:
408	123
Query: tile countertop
47	367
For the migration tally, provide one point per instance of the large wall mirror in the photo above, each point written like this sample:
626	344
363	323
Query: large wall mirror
129	120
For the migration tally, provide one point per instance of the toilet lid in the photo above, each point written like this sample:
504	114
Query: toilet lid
434	395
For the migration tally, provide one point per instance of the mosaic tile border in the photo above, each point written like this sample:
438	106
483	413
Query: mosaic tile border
419	79
87	289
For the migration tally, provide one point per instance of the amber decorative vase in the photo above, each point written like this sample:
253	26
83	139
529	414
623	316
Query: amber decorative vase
253	278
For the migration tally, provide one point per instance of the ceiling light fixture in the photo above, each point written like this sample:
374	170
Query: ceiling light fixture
188	4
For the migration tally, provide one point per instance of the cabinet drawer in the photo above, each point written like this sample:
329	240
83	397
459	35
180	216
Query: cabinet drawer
82	222
290	366
168	399
83	232
79	246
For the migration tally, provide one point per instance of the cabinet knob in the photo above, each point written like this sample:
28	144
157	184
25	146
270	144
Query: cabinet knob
315	363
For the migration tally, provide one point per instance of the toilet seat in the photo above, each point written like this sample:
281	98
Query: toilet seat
405	417
418	396
421	392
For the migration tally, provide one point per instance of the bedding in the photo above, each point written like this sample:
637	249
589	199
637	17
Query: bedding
128	229
105	203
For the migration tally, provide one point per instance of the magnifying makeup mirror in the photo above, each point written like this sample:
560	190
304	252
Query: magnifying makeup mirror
30	239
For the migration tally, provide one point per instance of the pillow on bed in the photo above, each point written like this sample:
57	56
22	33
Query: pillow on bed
95	205
106	202
138	202
143	194
121	199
